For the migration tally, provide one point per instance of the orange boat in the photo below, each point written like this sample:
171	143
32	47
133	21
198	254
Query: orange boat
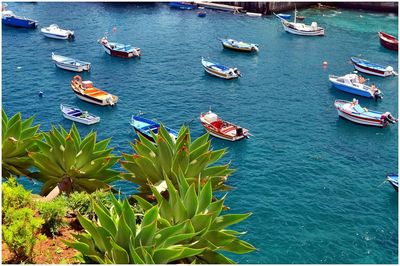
86	92
222	129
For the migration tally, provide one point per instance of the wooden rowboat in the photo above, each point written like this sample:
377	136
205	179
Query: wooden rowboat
75	114
86	92
148	127
371	68
222	129
388	41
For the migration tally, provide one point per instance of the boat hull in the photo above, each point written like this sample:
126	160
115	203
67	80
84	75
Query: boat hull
218	74
82	121
241	49
393	180
319	32
351	90
361	121
56	36
377	70
19	23
69	67
219	135
388	41
182	6
120	54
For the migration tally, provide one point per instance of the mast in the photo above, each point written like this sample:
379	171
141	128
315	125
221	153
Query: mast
295	14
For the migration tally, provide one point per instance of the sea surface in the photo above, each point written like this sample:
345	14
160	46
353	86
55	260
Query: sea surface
313	182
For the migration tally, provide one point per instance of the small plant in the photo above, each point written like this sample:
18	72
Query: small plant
82	202
18	137
21	233
14	196
53	213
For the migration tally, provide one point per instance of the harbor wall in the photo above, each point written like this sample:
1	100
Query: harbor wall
269	7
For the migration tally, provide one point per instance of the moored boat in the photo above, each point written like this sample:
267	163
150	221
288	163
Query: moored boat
370	68
75	114
222	129
219	70
183	5
284	16
146	127
355	84
239	45
393	179
354	112
301	28
55	32
119	49
201	14
10	19
70	64
86	92
388	41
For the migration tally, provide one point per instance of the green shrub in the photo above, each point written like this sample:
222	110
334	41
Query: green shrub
14	196
22	231
80	202
53	213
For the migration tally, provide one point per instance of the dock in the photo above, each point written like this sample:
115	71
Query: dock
223	7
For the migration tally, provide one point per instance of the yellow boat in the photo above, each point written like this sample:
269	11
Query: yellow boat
86	92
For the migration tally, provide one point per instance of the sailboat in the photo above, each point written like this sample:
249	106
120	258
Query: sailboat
301	28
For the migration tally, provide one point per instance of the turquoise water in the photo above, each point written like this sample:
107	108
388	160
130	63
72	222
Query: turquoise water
312	181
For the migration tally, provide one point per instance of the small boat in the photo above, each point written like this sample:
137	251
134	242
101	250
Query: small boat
86	92
254	14
71	64
201	14
301	28
371	68
10	19
75	114
355	84
284	16
388	41
219	70
53	31
393	179
183	5
146	126
119	49
222	129
239	45
354	112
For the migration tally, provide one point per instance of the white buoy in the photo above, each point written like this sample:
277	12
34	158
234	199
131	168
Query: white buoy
40	93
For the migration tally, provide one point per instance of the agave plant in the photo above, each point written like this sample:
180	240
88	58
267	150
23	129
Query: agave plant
18	137
153	163
202	218
117	239
67	163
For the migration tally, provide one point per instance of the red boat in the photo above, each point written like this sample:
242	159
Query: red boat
222	129
388	41
119	49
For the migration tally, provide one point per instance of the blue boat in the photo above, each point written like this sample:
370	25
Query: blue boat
355	84
393	179
146	126
367	67
284	16
183	5
10	19
201	14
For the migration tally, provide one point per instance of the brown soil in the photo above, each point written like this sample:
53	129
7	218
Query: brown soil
50	250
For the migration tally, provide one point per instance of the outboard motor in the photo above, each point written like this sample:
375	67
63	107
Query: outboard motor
377	95
389	118
239	131
109	100
237	72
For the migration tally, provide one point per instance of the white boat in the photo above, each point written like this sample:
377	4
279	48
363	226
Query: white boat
239	45
53	31
75	114
70	64
219	70
354	112
355	84
301	28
